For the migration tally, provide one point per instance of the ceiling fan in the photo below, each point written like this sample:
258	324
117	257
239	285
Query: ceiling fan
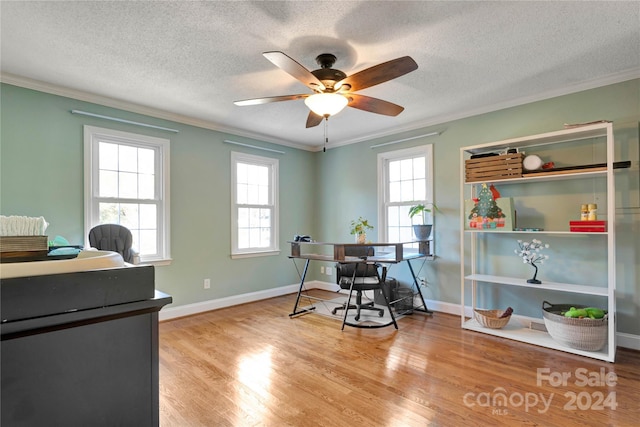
334	89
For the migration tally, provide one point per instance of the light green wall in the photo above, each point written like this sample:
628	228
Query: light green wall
41	155
349	190
41	174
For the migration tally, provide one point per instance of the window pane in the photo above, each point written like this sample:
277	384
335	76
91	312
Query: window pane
148	217
146	186
265	237
265	218
107	156
394	192
254	237
128	185
418	168
394	171
393	217
392	224
406	187
108	184
243	218
257	174
394	235
146	161
109	213
243	238
406	234
403	215
241	194
406	169
252	194
148	244
242	174
419	189
128	159
263	195
129	215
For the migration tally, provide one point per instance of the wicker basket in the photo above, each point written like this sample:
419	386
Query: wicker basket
491	318
581	334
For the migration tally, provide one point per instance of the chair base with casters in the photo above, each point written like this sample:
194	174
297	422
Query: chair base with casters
360	277
359	305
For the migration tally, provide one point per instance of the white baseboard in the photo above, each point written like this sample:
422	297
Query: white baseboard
168	313
628	340
623	339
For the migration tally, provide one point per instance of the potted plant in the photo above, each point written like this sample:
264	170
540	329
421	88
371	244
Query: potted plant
422	231
359	227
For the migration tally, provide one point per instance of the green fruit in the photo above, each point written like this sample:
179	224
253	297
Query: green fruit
576	313
589	312
595	313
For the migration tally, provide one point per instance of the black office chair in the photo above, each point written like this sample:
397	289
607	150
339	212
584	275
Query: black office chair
113	237
360	277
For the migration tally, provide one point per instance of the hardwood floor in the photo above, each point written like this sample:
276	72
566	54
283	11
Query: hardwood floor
251	365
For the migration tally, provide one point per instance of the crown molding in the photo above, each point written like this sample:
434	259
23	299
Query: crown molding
620	77
131	107
27	83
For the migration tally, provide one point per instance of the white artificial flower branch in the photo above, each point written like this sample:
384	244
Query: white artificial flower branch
530	252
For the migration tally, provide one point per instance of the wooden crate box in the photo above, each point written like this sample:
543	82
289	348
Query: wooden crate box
491	168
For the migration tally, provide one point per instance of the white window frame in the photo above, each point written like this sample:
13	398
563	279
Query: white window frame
92	137
383	182
272	164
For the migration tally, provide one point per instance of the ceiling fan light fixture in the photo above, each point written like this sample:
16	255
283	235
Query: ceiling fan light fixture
326	104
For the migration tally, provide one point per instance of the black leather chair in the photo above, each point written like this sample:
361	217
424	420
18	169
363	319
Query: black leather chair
359	277
113	237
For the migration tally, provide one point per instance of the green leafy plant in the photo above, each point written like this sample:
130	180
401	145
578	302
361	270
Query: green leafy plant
422	209
360	226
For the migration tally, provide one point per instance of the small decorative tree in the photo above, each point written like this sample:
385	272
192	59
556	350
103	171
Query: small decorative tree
359	227
487	209
530	254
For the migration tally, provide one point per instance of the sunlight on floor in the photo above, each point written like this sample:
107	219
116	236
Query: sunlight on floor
397	359
254	372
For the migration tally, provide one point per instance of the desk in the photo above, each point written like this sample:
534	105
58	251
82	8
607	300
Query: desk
389	253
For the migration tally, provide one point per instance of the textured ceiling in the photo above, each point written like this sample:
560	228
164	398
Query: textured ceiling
190	60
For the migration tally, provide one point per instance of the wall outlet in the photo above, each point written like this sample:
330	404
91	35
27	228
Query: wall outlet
207	283
329	271
422	281
322	269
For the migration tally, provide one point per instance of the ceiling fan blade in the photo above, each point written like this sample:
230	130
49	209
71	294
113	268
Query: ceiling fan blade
313	119
292	67
268	99
373	105
379	73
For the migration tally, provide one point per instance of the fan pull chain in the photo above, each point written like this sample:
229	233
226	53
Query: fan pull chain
326	132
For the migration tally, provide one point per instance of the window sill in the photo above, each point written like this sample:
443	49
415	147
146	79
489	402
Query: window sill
255	254
157	262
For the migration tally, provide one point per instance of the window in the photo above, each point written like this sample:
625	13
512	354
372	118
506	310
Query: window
254	216
127	183
405	178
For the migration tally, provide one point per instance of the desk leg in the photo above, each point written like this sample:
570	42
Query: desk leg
295	307
424	308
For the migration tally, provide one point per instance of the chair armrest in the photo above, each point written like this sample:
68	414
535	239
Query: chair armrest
135	257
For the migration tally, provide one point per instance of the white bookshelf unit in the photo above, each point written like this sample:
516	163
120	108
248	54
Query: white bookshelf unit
566	145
